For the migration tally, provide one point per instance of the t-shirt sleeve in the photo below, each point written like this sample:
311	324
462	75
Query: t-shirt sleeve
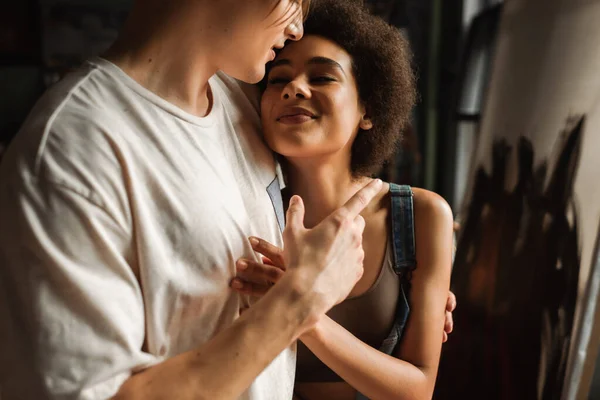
72	315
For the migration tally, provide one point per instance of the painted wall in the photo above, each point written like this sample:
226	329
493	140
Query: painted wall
523	273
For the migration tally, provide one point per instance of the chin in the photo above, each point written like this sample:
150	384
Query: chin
255	78
255	74
250	75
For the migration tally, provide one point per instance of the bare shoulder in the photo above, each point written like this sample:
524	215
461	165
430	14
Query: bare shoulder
433	231
430	206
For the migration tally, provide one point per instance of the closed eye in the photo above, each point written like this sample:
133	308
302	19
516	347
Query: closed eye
323	79
278	81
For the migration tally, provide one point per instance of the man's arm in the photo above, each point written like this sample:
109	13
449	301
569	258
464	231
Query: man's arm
226	365
76	305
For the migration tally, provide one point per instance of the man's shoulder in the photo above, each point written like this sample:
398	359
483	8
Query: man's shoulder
66	133
82	96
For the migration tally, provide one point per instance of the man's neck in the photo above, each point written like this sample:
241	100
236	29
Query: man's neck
166	54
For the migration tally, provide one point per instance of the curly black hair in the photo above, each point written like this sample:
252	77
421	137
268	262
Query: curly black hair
382	69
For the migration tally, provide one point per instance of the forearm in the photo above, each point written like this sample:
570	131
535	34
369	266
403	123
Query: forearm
227	364
371	372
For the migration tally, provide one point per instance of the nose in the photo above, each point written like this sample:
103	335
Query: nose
295	90
295	30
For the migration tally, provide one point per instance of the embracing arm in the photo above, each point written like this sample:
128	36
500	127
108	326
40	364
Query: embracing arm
412	372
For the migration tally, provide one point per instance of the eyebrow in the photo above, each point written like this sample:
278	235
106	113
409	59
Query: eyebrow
314	60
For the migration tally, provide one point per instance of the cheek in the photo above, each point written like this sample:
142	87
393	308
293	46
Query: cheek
344	112
267	102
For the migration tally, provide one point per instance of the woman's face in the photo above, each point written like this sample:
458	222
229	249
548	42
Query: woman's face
253	29
311	107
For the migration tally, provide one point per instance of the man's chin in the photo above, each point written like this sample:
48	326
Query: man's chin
257	75
252	76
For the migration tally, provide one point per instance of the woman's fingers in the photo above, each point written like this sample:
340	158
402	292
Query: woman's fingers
272	252
451	302
254	278
249	288
449	324
267	261
255	272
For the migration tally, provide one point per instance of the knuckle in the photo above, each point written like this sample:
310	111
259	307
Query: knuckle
359	273
280	261
360	221
278	274
362	199
340	219
289	234
359	229
357	238
274	274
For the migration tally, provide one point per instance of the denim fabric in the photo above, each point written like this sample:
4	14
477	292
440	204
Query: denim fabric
403	235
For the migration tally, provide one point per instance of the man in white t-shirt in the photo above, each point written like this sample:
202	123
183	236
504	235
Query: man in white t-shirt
125	200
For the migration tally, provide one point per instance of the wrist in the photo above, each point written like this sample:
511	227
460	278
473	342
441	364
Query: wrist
304	305
315	332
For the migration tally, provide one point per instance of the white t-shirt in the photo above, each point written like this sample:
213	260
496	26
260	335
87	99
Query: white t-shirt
121	218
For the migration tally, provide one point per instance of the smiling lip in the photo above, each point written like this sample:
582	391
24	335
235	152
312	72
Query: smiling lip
294	119
272	55
296	115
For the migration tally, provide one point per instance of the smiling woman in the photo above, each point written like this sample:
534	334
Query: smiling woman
379	66
311	105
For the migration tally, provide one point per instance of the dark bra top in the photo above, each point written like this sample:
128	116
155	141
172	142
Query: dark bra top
378	316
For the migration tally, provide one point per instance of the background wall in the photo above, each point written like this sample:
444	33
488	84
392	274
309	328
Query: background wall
525	265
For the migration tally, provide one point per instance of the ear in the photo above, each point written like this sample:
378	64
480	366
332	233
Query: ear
365	123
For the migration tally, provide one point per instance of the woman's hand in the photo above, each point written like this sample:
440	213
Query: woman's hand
449	323
256	278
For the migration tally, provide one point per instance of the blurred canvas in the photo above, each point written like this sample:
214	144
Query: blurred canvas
524	273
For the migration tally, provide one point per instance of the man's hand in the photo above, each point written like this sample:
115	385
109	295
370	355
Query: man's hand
326	262
323	263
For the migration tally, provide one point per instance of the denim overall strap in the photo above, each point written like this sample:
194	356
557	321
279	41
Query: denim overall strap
405	261
403	232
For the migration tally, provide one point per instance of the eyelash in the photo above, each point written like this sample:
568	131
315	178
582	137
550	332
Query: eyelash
275	81
318	79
